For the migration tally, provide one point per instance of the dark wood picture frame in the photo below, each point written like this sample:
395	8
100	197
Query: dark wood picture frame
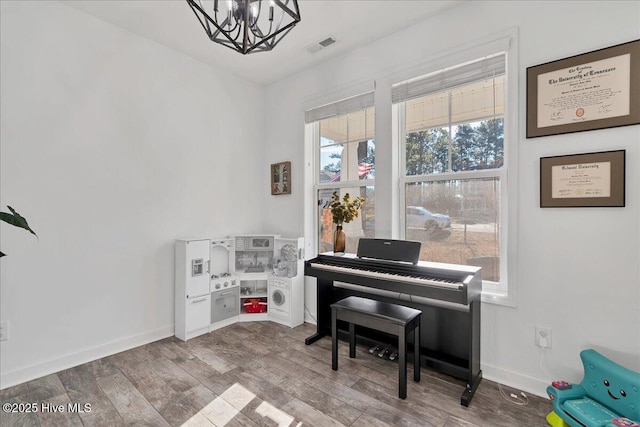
580	95
281	178
578	174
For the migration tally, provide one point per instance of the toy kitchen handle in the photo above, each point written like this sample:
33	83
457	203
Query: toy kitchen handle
226	293
208	266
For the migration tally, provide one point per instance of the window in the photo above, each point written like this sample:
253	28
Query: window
344	137
445	148
453	171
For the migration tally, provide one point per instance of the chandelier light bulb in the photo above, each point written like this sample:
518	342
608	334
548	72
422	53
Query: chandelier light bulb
253	11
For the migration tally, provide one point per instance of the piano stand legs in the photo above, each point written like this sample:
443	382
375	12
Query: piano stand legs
315	337
470	390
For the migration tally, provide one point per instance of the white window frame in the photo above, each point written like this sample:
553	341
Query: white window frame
508	198
312	132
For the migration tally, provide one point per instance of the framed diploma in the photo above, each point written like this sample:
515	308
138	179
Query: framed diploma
583	180
595	90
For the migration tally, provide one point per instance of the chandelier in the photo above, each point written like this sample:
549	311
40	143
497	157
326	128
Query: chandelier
247	26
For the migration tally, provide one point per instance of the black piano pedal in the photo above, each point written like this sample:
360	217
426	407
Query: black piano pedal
375	349
384	353
393	356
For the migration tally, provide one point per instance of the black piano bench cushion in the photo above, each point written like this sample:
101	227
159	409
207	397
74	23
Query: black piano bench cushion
394	313
394	319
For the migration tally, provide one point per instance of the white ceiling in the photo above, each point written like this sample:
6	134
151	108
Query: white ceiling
351	22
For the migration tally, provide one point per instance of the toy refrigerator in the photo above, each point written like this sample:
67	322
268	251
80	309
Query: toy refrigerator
192	291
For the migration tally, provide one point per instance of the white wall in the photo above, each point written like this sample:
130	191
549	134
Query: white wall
111	146
578	269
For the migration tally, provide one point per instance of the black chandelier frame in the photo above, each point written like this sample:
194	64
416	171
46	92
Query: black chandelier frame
239	30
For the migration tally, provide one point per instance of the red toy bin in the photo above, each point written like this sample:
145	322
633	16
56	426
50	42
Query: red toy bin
255	305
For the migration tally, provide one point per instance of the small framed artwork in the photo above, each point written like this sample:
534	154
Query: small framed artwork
281	178
595	90
583	180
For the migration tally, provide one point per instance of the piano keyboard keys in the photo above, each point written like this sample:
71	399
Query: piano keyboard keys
441	283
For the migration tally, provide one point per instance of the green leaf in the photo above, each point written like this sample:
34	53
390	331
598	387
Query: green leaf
16	220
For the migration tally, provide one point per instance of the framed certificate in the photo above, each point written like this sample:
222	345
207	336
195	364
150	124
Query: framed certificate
583	180
595	90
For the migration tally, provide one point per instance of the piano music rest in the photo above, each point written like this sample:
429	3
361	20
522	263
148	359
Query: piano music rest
393	319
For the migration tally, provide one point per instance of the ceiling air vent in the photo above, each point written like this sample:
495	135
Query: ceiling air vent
321	45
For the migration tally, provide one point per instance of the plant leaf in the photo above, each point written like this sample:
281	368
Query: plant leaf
16	220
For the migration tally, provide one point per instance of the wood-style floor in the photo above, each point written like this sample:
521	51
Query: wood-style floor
257	374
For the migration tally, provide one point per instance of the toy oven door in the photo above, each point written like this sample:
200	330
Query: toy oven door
225	304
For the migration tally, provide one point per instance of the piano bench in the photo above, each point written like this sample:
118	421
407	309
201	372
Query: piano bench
393	319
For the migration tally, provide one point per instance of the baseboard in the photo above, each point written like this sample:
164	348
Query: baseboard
515	380
19	376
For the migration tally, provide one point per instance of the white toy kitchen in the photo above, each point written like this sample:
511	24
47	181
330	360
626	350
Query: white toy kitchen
239	278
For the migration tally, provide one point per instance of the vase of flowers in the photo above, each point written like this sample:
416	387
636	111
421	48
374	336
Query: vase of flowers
343	212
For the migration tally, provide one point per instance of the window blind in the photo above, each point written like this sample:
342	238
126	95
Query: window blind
483	69
468	103
349	105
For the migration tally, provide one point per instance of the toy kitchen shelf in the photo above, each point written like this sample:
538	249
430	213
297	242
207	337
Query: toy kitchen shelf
254	297
252	261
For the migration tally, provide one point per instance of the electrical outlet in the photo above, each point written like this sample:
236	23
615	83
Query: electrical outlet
543	337
4	330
